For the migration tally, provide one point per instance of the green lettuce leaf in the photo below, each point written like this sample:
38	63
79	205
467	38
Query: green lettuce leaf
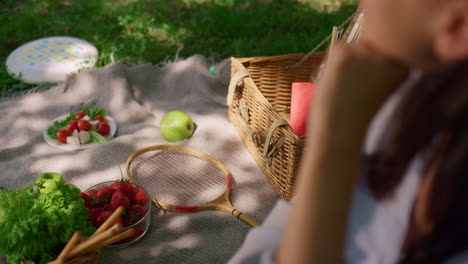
59	124
93	112
35	226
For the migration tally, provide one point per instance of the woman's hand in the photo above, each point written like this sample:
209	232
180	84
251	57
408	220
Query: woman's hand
353	86
351	90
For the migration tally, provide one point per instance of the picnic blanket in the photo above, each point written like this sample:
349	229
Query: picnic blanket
136	97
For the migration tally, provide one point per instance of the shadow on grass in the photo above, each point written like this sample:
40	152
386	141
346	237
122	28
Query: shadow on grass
152	31
251	28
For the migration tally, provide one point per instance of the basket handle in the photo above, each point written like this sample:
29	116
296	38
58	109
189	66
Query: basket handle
235	82
356	17
259	138
269	149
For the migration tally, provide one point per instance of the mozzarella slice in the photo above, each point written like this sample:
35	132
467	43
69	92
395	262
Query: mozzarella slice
73	140
94	124
84	137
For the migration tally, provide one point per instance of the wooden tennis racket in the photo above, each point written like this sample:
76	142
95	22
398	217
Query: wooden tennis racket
184	180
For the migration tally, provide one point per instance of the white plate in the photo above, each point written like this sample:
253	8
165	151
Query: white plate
60	145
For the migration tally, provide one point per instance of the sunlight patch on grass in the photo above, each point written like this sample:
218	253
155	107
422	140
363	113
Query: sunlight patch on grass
164	34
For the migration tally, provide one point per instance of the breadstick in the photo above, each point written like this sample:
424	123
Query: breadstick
110	221
127	233
77	236
93	242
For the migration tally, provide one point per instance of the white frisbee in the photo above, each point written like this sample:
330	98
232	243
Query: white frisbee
51	59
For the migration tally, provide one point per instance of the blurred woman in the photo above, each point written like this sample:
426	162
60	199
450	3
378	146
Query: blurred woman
383	177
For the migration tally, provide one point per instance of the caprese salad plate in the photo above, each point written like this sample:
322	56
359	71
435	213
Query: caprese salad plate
80	130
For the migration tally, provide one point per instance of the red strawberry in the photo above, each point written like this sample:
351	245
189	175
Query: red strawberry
138	230
139	196
86	198
104	194
104	215
135	213
95	202
92	192
93	214
123	186
118	199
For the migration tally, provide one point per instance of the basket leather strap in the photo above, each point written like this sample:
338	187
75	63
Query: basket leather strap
259	138
270	149
234	81
242	117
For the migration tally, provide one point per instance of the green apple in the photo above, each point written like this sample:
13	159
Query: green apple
49	181
176	126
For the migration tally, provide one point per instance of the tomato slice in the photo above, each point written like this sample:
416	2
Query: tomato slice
79	115
83	125
72	125
103	128
101	118
62	135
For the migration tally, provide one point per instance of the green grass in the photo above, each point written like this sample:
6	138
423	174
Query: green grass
153	30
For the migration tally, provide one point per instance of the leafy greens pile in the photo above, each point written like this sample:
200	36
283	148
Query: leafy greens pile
35	226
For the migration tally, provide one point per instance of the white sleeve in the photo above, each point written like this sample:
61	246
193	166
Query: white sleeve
461	258
260	244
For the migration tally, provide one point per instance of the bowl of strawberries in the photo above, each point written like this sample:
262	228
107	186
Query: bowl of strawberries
104	198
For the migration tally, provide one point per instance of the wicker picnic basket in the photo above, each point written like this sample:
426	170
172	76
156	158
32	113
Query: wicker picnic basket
259	99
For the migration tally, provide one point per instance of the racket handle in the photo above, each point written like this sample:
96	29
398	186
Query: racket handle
245	218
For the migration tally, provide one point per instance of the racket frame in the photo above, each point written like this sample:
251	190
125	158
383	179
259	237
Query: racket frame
222	203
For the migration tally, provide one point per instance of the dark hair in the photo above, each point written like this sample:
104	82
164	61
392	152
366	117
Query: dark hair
436	105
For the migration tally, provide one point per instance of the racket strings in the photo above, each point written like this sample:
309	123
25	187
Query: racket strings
178	178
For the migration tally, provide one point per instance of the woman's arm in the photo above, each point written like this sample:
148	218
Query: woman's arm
352	89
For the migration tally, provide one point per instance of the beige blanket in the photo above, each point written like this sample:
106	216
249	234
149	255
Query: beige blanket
137	97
